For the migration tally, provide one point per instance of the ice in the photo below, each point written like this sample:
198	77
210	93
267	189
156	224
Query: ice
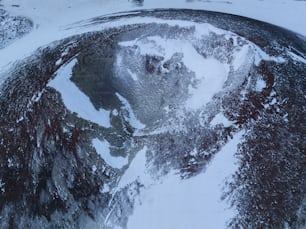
103	149
75	100
210	74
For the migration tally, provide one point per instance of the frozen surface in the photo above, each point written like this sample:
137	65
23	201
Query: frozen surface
103	149
192	203
75	100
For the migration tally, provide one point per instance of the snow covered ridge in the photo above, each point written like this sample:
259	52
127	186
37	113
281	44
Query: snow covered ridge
192	112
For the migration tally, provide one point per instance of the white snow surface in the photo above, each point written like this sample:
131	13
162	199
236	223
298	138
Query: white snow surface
240	56
103	149
137	170
296	57
191	203
51	17
46	13
75	100
221	119
214	75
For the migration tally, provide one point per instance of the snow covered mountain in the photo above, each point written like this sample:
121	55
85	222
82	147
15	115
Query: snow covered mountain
150	118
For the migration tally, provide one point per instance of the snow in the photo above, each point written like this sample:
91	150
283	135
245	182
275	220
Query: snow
261	55
36	98
51	17
103	149
251	51
93	168
297	57
161	204
136	170
240	57
260	85
194	152
69	11
214	75
106	188
130	116
115	112
210	74
191	203
75	100
2	186
132	74
221	119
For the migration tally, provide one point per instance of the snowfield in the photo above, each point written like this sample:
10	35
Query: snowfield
193	203
286	13
48	27
169	199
